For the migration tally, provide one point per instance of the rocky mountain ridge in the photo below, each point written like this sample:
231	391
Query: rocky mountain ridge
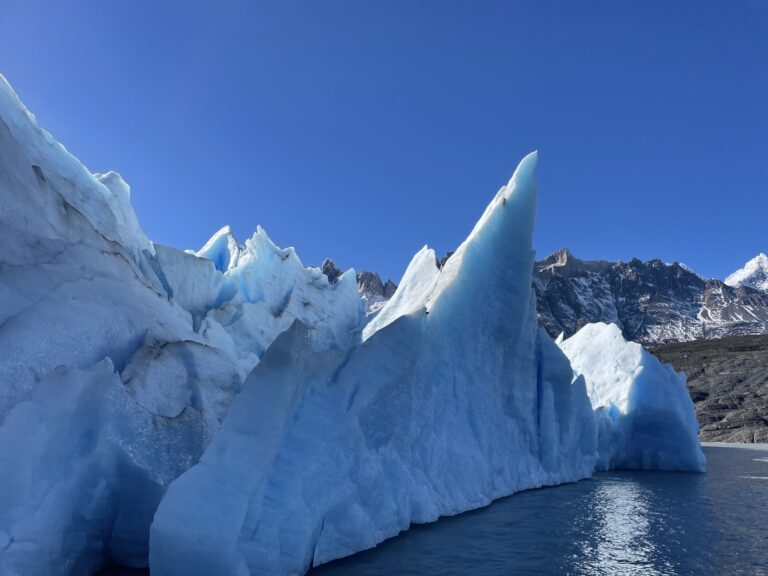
653	302
369	284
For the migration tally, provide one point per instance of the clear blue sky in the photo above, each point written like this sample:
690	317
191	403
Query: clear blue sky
362	130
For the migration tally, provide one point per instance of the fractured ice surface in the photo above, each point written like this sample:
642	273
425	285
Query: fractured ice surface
89	445
265	288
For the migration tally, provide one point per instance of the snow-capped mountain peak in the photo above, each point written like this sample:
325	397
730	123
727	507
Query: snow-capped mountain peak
652	302
754	274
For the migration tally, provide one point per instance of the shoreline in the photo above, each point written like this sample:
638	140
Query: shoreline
745	445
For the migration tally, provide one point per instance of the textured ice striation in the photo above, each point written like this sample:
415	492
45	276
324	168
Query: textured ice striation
644	414
455	398
238	403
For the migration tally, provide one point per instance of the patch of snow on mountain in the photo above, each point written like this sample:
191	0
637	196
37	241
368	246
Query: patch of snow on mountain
754	274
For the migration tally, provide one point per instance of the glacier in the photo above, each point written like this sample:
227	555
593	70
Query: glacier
120	357
231	411
644	414
457	401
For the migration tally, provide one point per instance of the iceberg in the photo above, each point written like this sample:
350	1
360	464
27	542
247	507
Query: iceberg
455	399
644	414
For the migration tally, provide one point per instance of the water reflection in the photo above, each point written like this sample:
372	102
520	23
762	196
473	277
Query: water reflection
617	524
622	544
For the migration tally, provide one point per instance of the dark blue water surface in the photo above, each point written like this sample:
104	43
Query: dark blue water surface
619	523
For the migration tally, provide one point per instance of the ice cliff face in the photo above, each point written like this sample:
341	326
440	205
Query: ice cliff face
453	399
244	405
120	358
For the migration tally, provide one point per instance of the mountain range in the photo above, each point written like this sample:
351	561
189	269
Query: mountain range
653	302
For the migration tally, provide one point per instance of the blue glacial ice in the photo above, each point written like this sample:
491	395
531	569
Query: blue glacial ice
145	347
644	414
456	402
230	411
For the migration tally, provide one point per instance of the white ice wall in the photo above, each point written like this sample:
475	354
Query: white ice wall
442	409
144	349
645	416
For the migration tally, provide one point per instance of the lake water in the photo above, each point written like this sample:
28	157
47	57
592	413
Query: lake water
618	523
615	524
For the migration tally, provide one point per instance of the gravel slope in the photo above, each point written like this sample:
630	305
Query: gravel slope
728	381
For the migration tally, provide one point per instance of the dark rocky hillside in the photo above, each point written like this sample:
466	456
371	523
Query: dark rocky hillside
728	381
652	302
